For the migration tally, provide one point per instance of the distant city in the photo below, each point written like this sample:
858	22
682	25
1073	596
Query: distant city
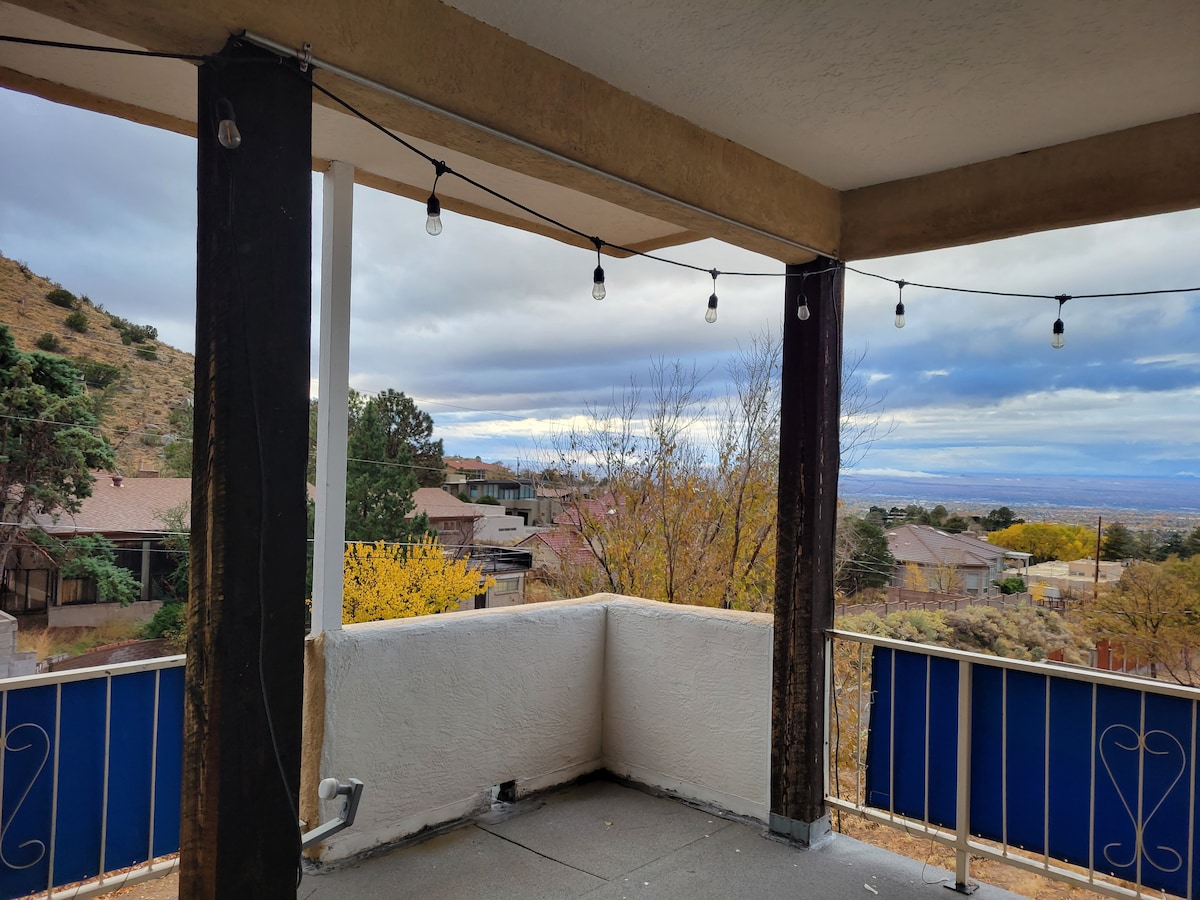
1054	495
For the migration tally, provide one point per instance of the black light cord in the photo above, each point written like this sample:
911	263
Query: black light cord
441	168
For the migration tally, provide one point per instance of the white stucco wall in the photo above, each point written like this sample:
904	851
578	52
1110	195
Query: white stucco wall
433	712
687	702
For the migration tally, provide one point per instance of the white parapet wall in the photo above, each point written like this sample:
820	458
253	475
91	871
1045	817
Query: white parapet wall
93	615
687	702
433	713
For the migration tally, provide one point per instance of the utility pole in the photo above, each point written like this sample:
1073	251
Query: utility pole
1096	577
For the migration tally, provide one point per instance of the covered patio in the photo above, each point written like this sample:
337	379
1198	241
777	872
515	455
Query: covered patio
813	133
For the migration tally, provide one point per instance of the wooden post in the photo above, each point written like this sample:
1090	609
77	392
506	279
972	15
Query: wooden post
239	834
808	472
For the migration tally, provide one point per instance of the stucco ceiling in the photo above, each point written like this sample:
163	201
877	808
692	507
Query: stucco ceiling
852	127
856	92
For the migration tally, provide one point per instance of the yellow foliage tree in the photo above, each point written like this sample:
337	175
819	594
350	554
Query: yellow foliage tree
1046	541
393	581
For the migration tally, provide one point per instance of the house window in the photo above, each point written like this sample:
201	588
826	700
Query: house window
506	586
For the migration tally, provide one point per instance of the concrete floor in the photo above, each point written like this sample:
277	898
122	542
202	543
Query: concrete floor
604	841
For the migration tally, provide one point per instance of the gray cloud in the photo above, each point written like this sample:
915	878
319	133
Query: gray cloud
502	322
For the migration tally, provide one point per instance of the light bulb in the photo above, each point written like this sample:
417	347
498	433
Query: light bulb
899	315
1057	340
598	283
433	212
711	315
803	312
228	134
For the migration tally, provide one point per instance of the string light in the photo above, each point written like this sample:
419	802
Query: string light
230	137
803	312
227	131
711	315
598	291
1056	340
433	206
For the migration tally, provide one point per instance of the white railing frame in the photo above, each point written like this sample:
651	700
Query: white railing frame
103	883
960	839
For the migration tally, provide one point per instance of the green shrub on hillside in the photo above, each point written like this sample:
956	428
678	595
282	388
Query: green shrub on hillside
131	333
98	374
62	297
147	352
169	623
48	342
77	321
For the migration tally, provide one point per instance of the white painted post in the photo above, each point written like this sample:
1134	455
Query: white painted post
333	373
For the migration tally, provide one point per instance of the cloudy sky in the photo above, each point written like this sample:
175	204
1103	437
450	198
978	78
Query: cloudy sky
495	331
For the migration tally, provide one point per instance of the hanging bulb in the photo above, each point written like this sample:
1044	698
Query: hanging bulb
433	215
228	134
1057	340
598	291
433	206
900	305
803	312
711	315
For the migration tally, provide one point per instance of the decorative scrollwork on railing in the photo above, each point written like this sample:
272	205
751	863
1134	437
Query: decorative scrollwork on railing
1125	738
9	747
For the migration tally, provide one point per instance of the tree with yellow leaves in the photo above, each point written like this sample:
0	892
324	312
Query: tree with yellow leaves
1046	540
393	581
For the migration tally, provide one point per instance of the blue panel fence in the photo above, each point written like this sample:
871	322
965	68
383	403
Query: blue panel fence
1071	766
90	769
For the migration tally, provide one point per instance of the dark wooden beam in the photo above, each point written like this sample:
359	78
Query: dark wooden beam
245	642
808	473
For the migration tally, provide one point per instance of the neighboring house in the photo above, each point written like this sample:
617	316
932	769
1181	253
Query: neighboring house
508	566
127	511
460	469
934	560
519	497
454	520
498	527
552	548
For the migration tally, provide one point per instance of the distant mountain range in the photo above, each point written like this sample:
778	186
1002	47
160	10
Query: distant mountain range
1179	496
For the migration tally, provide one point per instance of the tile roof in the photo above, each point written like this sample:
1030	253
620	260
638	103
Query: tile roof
924	544
592	509
137	505
461	462
561	541
439	504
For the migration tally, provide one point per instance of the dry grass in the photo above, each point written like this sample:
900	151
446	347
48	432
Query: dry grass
33	634
147	390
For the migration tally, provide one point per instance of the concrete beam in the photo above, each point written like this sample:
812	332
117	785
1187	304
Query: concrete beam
1140	171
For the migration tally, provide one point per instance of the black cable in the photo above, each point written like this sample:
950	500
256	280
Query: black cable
95	48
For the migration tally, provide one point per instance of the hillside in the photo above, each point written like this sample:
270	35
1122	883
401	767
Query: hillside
135	397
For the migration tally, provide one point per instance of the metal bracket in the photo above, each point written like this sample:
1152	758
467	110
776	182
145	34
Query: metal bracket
329	789
305	55
968	887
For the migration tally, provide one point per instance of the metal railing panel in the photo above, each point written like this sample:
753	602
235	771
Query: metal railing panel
90	765
1052	766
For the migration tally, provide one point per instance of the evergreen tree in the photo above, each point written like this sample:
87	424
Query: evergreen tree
48	439
1118	543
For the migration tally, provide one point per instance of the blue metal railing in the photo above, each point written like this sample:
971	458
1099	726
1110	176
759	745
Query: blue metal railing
1045	767
90	769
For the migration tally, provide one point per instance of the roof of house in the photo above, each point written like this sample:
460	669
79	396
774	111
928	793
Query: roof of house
926	545
471	465
561	542
591	508
438	504
122	505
